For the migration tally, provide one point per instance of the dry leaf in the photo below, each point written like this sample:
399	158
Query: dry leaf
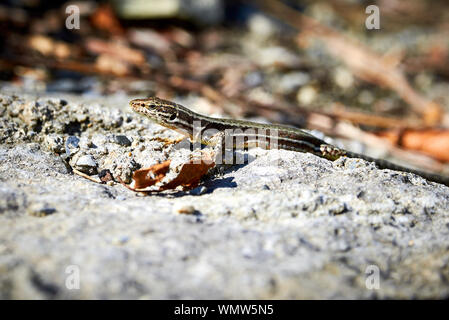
432	142
118	50
147	177
110	64
49	47
105	19
189	174
151	39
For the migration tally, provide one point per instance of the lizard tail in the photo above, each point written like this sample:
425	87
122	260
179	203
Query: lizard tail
384	164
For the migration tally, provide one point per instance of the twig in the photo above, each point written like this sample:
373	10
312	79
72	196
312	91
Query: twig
420	160
364	63
340	111
81	174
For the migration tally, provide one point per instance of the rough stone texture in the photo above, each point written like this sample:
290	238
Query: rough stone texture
285	226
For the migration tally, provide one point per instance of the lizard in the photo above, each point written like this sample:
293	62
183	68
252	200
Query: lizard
196	126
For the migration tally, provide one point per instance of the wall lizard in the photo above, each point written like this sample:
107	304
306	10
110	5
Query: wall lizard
183	120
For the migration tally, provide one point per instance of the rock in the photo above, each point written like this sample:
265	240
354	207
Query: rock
55	143
71	145
287	225
292	81
276	57
343	78
31	114
12	201
105	176
253	79
306	95
86	164
121	140
261	26
199	191
40	210
181	208
203	12
366	97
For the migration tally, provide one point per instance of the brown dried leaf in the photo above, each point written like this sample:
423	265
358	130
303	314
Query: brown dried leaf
150	39
111	64
190	174
105	19
49	47
431	142
117	50
147	177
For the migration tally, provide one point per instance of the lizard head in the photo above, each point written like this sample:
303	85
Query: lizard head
165	113
161	111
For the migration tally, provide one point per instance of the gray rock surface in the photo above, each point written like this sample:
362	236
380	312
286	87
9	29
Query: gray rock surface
285	226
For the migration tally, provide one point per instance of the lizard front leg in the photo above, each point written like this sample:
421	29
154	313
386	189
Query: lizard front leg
223	147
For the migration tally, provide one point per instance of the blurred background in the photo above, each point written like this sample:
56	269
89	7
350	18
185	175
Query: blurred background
378	75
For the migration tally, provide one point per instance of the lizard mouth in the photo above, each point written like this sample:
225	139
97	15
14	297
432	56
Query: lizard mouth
138	106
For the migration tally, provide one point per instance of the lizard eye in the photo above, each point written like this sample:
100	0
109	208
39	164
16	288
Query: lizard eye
173	117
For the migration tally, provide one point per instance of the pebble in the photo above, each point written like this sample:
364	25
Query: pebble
72	145
87	164
253	79
306	95
87	161
105	176
343	78
198	191
121	240
121	140
277	57
423	81
40	210
181	208
366	97
292	81
85	143
54	143
261	26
